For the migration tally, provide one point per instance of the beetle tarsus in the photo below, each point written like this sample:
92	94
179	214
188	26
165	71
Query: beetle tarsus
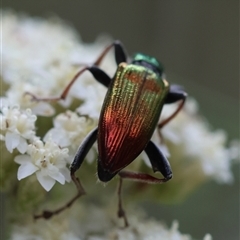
121	213
167	120
34	98
46	214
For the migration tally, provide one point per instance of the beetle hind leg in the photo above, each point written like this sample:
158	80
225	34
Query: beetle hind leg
159	163
121	213
138	177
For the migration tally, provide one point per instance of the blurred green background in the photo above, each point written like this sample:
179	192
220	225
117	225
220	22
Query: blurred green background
198	42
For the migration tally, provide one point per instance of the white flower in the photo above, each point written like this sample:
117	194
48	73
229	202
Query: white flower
196	142
38	59
69	131
234	150
93	96
44	65
17	127
41	66
47	160
16	95
90	222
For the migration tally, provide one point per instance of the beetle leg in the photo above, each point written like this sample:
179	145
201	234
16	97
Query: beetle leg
175	94
141	177
120	55
83	150
135	176
119	51
77	162
121	212
47	214
99	75
159	163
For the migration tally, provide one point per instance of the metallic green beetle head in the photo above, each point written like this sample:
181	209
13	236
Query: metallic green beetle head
149	62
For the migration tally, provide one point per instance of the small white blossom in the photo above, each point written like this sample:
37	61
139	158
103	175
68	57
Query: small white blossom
16	94
47	160
44	65
93	96
190	133
69	131
234	150
17	127
90	222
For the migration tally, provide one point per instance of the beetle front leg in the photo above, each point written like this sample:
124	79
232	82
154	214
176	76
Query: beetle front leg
76	164
120	55
119	52
99	75
175	94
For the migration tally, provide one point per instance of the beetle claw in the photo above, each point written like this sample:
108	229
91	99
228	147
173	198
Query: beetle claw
121	214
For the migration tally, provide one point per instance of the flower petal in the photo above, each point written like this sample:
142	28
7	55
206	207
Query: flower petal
46	181
26	170
22	146
22	159
66	173
57	176
58	135
43	109
12	140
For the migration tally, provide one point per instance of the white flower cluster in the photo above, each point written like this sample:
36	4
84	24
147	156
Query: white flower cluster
69	130
32	62
41	57
47	160
16	127
43	65
201	146
38	58
99	224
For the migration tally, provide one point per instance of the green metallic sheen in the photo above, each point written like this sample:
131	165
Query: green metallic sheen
151	60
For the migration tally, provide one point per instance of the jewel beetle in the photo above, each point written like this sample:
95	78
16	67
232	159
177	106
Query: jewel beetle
129	115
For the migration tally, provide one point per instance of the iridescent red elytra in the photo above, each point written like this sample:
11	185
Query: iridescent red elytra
129	116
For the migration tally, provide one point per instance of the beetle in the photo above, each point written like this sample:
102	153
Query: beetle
129	115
